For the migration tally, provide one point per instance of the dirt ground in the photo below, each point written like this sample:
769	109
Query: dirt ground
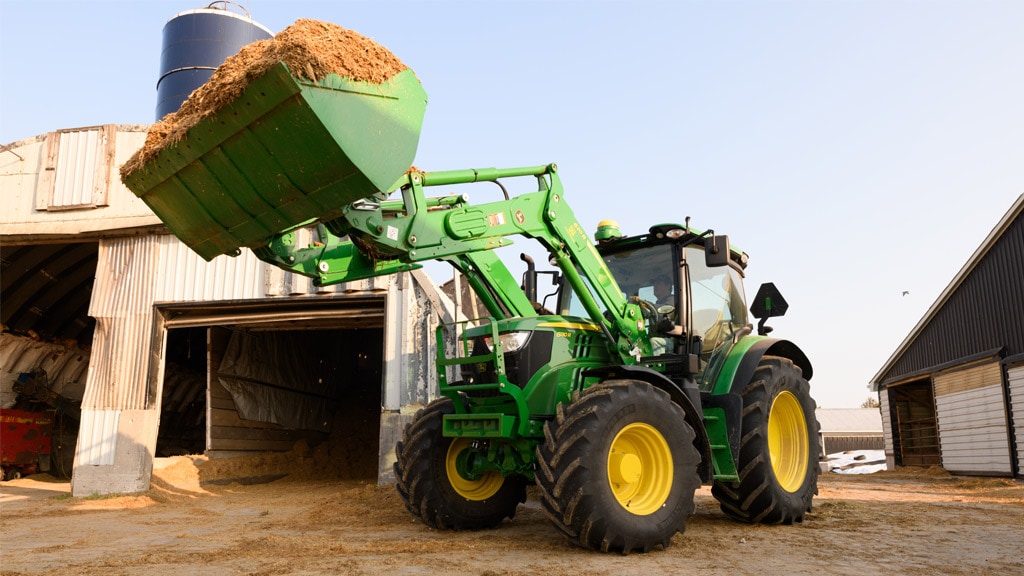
195	521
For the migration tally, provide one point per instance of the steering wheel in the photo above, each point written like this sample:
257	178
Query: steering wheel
649	311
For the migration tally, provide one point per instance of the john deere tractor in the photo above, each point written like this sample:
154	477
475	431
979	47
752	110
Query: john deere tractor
640	378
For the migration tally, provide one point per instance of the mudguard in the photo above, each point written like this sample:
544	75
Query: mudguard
746	355
679	395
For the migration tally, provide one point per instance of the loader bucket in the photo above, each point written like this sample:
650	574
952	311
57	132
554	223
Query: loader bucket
286	151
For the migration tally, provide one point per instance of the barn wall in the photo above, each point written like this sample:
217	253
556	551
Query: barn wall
410	380
64	187
122	396
117	435
887	424
122	304
66	183
834	443
971	414
1015	377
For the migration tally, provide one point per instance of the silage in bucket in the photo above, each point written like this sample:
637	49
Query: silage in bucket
279	137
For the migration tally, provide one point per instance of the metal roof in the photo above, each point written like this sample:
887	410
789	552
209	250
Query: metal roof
849	420
979	310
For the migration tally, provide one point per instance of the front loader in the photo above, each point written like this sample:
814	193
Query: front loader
615	401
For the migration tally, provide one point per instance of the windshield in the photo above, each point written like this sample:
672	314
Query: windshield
645	273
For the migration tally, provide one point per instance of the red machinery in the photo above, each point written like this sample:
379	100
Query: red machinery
24	442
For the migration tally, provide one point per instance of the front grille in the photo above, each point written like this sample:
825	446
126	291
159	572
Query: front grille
520	365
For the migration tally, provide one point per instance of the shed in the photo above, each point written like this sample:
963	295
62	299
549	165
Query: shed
225	357
952	393
844	429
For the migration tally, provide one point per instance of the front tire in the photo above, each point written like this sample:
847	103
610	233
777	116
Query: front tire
779	452
428	479
617	470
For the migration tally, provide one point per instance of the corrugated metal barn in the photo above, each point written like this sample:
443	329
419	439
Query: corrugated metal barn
169	354
952	394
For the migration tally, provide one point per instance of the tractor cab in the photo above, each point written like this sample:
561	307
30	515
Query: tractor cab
689	286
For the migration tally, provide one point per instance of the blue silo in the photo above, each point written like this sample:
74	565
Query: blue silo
195	43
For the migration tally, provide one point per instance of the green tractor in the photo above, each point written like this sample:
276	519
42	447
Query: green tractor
638	379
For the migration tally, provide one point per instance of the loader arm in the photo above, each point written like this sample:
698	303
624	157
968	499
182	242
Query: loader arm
289	152
387	236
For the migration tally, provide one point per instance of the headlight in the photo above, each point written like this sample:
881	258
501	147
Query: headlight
510	341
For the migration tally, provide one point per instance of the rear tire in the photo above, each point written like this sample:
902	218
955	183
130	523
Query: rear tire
617	470
779	452
429	483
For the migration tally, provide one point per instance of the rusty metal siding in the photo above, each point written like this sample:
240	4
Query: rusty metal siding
122	303
410	347
984	312
125	274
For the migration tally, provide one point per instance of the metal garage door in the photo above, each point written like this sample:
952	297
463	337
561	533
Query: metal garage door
971	413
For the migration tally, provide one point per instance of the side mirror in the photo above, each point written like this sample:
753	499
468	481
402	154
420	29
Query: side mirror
768	303
529	278
716	251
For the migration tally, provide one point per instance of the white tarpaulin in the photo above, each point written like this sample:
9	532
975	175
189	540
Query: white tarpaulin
277	379
857	462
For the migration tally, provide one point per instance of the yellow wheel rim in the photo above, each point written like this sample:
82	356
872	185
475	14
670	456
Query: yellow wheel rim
788	444
640	469
480	489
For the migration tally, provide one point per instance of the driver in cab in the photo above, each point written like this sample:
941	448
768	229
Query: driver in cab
663	291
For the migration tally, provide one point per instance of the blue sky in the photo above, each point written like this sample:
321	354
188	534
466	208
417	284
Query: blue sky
855	149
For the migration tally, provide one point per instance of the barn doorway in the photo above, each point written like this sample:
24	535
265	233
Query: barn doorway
47	288
183	399
293	388
915	433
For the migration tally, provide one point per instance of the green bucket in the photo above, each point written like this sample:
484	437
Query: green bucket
284	152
